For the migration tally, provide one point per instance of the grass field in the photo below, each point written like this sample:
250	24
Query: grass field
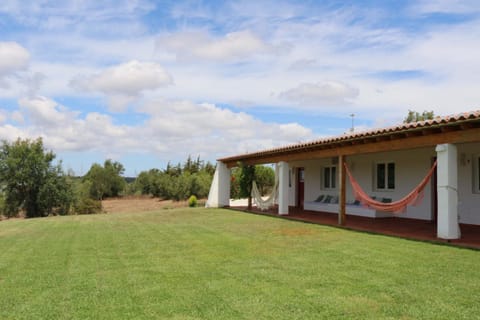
219	264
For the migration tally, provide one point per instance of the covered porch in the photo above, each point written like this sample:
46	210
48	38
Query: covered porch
413	229
452	142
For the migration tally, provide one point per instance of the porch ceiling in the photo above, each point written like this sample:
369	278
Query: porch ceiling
459	128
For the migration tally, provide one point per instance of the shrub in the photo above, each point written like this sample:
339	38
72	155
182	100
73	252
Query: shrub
192	201
88	206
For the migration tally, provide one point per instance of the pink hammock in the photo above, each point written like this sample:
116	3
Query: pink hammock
399	206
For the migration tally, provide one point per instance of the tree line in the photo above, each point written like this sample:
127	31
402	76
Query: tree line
32	183
177	182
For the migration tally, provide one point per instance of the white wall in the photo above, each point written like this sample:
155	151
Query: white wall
410	168
312	181
468	200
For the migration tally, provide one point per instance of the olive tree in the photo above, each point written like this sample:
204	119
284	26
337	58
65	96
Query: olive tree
105	181
30	181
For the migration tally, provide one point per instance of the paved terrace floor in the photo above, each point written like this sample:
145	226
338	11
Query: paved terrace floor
395	226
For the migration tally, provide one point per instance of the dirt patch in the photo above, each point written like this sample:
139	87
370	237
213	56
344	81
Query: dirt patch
139	204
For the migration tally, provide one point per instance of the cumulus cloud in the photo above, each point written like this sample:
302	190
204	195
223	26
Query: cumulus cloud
320	94
172	129
64	129
233	46
207	129
125	82
45	112
13	58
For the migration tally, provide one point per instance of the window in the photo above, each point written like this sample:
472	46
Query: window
329	177
385	176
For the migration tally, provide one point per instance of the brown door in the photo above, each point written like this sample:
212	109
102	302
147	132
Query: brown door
300	187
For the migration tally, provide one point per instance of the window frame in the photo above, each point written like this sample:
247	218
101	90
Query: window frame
388	180
332	180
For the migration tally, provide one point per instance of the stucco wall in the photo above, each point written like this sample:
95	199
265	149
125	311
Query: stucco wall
410	168
468	200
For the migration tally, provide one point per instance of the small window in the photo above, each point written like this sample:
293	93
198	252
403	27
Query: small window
385	176
329	177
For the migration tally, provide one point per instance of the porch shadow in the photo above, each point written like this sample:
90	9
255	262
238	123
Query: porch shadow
412	229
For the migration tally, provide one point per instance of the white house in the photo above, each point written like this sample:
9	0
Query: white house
387	163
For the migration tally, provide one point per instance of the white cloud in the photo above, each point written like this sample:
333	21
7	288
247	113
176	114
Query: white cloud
45	112
125	82
184	127
321	94
234	46
13	57
172	130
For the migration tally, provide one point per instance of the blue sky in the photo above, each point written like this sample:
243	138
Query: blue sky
148	82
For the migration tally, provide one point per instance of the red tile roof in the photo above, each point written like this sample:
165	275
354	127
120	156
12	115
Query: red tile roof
436	123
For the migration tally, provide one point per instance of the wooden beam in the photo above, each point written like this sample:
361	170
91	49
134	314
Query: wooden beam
342	216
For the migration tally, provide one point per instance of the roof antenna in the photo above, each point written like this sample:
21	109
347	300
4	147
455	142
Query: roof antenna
352	129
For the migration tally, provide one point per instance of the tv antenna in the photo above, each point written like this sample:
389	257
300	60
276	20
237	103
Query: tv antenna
352	129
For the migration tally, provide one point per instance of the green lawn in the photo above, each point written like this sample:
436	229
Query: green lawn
221	264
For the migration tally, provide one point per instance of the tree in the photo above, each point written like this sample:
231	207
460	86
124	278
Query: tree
177	182
414	116
265	178
105	181
31	182
246	178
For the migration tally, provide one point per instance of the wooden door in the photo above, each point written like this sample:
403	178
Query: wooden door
300	187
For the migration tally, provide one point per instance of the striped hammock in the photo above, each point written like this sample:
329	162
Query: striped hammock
399	206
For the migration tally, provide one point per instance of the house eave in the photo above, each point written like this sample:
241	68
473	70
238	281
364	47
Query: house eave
453	129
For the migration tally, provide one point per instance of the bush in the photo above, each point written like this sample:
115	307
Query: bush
88	206
192	201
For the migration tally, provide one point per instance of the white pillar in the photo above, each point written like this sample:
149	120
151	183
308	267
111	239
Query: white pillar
219	194
447	182
282	188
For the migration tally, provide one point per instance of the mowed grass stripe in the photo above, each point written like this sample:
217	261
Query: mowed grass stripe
211	264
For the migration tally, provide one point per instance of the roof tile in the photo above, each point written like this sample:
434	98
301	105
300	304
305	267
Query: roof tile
437	121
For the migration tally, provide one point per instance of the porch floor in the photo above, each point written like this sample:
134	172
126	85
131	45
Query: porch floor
395	226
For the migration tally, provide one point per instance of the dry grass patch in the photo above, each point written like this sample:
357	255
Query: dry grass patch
139	204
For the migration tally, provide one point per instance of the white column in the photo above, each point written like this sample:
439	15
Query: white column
282	188
447	181
219	194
